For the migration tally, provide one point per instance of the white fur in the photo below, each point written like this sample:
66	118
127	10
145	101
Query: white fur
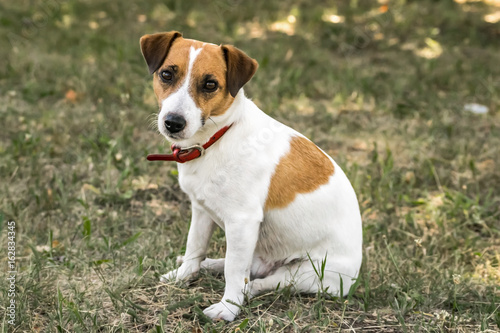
228	187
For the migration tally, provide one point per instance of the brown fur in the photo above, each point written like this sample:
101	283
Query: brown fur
211	62
302	170
155	48
240	68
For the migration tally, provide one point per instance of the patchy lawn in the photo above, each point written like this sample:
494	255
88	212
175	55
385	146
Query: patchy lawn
381	87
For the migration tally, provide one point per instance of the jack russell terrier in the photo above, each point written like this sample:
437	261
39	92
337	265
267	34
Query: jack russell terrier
286	207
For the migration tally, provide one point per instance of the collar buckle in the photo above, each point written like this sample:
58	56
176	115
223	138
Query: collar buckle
198	147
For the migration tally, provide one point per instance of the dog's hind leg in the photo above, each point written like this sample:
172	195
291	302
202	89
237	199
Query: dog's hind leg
259	267
215	265
302	277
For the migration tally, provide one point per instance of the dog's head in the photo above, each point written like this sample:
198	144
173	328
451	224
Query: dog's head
193	80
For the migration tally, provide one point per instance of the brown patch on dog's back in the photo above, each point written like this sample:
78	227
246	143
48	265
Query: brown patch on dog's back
302	170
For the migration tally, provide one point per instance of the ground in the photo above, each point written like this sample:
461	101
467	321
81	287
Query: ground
381	86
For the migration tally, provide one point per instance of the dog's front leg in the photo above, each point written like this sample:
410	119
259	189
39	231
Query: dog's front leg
200	232
241	239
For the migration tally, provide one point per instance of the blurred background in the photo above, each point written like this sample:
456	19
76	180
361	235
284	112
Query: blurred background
404	94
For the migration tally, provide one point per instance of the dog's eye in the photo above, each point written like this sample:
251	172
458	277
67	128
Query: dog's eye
210	85
166	76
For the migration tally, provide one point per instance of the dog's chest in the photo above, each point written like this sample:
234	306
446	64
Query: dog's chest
204	189
227	187
194	183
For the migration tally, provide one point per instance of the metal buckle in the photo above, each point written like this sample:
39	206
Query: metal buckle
198	147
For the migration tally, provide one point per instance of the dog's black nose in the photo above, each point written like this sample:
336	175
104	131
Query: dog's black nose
175	123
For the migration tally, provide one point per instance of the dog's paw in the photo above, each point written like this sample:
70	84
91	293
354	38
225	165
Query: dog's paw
222	310
169	277
255	288
183	273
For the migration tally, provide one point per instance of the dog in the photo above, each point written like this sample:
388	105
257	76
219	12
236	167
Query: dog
289	213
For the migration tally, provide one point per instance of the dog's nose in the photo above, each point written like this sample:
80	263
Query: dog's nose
175	123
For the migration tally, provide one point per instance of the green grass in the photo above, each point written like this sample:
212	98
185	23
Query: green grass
382	92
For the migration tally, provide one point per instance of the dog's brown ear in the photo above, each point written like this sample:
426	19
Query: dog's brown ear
155	48
240	68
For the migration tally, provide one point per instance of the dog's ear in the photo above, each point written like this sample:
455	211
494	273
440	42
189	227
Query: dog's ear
155	48
240	68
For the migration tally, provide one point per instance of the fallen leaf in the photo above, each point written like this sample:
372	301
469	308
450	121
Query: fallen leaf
71	96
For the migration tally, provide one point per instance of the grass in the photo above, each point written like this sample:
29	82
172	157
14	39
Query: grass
381	88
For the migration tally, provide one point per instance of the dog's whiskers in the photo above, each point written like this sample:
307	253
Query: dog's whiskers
152	122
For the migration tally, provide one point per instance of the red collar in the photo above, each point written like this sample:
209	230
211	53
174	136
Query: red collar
189	153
